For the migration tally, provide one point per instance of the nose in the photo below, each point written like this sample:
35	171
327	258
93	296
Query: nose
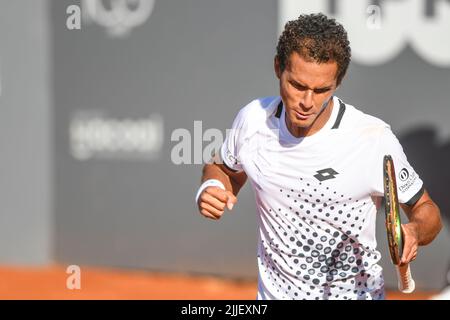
307	101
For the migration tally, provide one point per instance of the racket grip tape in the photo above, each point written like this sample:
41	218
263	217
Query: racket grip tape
406	283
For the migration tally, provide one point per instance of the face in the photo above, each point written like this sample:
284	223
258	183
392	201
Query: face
305	86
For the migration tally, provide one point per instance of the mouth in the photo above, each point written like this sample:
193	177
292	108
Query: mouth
302	116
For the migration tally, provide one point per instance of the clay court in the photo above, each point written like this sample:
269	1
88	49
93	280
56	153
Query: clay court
108	284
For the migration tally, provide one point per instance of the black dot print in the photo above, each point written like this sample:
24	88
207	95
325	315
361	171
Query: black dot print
330	262
314	252
335	253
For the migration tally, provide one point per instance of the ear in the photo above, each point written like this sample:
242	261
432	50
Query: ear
276	66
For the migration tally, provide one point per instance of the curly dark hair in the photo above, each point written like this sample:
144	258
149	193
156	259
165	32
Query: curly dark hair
318	38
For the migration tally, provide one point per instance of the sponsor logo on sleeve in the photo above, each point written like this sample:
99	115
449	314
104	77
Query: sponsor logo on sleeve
406	179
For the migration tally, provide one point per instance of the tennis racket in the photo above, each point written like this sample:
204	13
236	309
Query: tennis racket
406	283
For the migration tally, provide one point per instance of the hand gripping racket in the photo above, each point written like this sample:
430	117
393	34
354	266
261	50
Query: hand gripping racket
406	283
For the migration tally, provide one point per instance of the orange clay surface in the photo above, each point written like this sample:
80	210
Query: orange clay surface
39	283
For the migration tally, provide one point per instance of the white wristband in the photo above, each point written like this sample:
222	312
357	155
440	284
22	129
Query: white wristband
206	184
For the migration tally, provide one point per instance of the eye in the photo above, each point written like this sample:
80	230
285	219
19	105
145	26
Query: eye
298	86
319	91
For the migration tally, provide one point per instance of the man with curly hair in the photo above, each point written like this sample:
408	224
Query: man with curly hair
315	165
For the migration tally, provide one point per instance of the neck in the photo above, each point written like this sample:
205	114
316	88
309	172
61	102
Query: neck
318	123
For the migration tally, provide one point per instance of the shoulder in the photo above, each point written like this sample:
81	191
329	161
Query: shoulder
254	114
260	107
359	121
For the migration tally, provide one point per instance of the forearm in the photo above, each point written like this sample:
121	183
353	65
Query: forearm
214	171
426	218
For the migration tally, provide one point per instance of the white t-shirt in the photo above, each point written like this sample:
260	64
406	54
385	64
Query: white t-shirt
317	199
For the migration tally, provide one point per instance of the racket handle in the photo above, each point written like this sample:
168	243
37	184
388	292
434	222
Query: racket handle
406	283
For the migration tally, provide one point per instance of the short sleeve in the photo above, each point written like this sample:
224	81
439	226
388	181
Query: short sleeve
409	185
229	152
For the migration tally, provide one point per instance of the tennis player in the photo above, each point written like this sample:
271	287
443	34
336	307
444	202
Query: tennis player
315	164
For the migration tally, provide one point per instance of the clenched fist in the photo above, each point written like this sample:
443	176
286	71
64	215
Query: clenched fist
213	200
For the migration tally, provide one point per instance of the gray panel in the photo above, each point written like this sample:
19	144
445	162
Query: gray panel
25	128
193	60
